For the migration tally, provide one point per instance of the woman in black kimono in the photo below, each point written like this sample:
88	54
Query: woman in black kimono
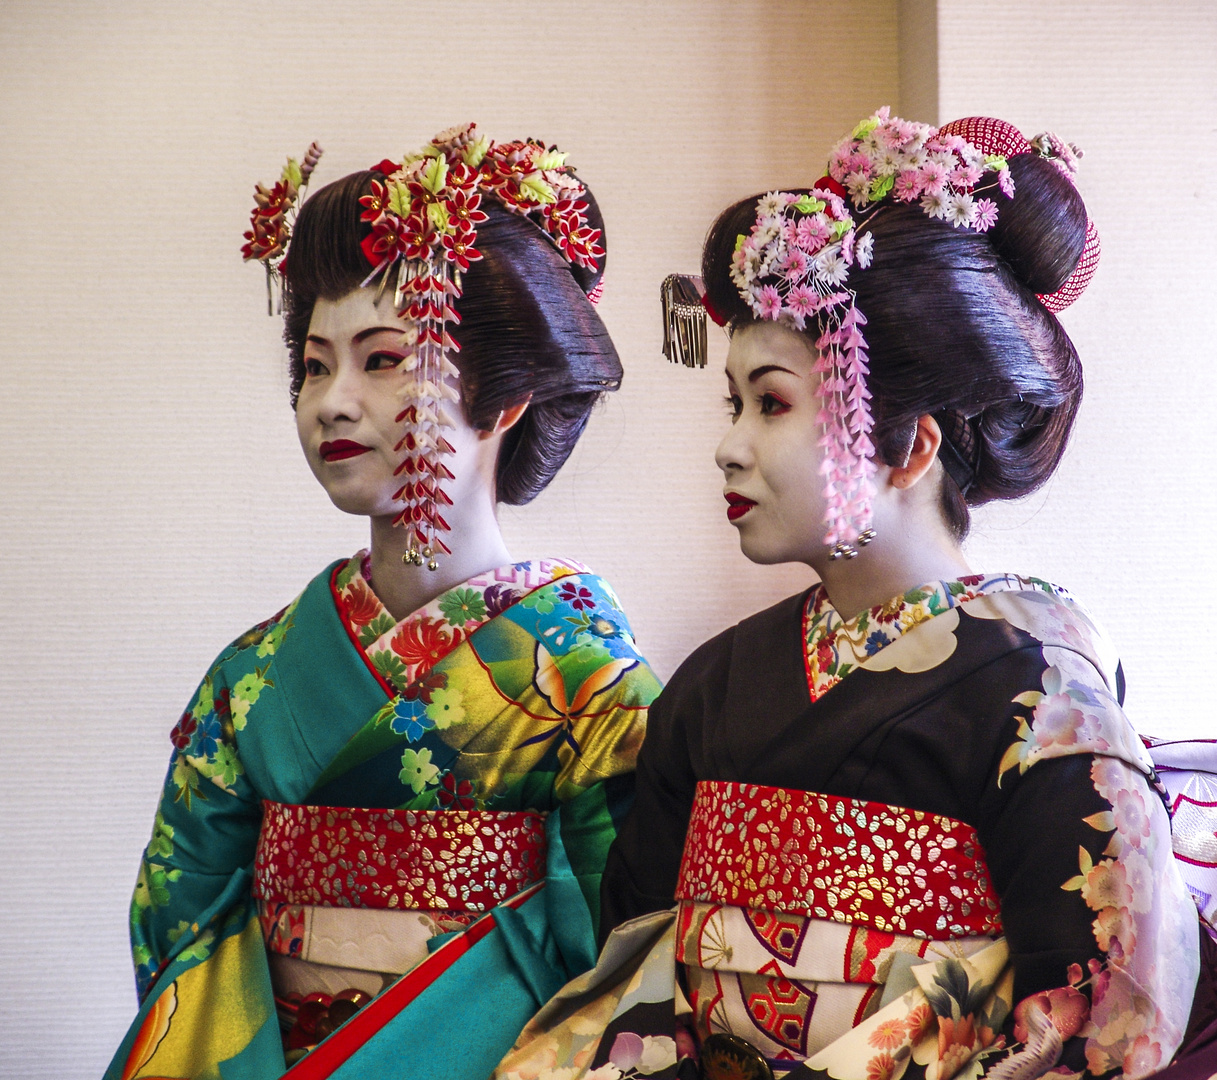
906	825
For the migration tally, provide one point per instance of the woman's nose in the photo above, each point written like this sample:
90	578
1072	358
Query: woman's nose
733	451
343	399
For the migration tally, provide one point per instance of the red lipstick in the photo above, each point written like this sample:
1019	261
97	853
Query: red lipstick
737	506
341	449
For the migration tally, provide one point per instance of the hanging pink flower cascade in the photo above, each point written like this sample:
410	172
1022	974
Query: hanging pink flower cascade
796	261
424	220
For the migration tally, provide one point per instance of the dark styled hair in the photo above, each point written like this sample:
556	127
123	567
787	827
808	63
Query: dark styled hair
956	330
527	331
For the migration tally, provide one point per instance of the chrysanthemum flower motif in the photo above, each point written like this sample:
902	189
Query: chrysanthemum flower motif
934	176
935	204
830	266
454	137
794	264
813	232
961	210
966	176
986	215
772	205
1006	181
864	250
907	185
801	302
857	183
768	302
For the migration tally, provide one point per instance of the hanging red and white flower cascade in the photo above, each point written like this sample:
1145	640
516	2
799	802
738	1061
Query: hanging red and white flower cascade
424	219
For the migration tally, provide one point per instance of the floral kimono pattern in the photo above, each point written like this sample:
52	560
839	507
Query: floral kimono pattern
984	709
519	692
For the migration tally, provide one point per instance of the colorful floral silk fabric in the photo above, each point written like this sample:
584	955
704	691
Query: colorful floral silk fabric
518	691
991	701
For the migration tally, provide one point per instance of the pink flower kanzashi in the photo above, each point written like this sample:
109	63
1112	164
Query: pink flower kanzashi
813	232
794	264
986	215
966	176
802	300
768	302
908	186
933	178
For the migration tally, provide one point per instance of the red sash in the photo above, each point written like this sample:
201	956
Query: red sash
825	857
452	860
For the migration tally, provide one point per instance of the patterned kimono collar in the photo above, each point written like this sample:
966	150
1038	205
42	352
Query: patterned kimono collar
401	651
836	646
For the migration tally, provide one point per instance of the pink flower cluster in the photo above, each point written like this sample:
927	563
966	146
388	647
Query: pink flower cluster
886	156
791	266
796	260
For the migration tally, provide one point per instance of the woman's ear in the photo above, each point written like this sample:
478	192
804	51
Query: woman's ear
508	419
926	441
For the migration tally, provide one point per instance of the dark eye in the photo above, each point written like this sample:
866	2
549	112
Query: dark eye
382	361
771	405
314	367
735	405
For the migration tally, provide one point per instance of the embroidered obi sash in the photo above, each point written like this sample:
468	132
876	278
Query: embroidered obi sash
431	860
800	914
826	857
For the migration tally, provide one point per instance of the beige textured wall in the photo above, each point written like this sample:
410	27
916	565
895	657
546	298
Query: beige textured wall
155	503
1128	523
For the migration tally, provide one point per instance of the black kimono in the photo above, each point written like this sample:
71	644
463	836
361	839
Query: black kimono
924	840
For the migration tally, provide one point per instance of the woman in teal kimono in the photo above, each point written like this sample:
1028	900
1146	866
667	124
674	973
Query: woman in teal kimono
380	841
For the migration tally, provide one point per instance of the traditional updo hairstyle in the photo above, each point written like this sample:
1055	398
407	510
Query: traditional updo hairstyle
956	330
527	331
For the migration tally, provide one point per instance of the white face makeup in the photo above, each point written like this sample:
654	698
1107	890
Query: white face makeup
771	458
347	412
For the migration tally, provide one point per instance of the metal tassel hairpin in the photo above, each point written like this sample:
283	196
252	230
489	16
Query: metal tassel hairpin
684	320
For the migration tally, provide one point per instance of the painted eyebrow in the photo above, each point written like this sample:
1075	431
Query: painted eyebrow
765	369
317	339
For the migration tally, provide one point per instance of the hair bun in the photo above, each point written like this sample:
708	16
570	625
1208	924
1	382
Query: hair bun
1043	233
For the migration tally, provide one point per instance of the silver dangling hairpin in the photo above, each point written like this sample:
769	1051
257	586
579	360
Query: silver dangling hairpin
684	320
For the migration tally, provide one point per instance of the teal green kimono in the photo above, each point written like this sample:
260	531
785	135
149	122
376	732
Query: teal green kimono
520	689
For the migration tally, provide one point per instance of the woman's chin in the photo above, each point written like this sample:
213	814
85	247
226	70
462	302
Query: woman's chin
357	504
755	550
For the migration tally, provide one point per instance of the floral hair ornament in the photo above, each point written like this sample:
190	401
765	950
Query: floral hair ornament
795	262
423	221
270	224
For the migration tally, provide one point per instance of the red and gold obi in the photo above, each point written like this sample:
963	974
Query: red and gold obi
352	897
800	914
